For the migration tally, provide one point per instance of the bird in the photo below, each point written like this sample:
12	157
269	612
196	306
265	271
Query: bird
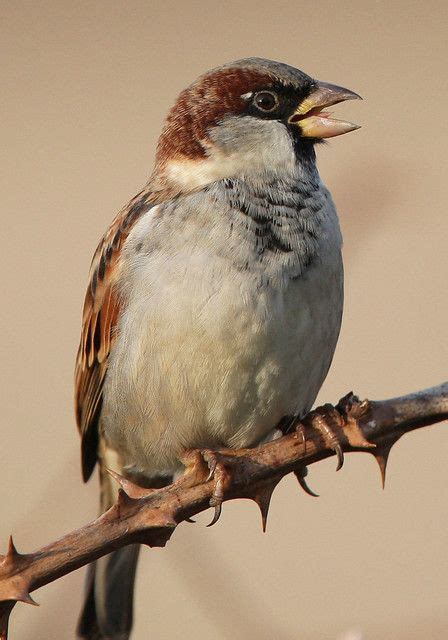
215	297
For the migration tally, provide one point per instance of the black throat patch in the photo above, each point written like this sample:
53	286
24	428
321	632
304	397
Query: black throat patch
282	221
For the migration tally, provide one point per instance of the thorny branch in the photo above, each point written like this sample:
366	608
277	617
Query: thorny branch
150	516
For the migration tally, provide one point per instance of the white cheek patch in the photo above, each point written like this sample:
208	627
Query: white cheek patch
195	174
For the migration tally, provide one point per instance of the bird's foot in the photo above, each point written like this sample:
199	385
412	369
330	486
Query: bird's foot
221	475
207	465
336	426
223	468
328	422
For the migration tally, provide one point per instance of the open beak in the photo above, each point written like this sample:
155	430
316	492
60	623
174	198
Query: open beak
316	123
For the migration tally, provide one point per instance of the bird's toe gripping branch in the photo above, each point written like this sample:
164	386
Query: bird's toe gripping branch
219	465
339	428
150	516
354	411
225	469
328	422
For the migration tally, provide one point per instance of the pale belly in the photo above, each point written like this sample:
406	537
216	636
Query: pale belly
213	361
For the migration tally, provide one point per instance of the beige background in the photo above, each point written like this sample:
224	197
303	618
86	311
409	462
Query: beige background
85	86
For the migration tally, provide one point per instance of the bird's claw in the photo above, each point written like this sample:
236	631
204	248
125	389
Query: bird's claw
301	474
339	454
211	463
328	421
302	471
219	473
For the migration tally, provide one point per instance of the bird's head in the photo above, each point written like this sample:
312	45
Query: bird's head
252	117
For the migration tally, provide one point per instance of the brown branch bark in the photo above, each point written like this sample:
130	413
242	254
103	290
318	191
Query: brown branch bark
151	516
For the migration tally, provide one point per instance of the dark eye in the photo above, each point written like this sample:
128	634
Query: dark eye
266	101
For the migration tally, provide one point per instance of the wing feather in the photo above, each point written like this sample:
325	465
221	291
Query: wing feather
100	315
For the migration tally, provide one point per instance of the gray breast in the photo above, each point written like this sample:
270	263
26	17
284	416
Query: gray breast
275	230
233	298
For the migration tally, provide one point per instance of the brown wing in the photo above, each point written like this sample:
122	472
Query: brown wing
100	315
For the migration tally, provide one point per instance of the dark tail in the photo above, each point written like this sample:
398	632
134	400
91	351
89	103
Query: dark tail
108	606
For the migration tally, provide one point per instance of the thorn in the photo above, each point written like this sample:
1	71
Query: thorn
19	591
131	489
300	474
26	598
12	551
382	463
120	506
263	500
123	499
381	455
12	555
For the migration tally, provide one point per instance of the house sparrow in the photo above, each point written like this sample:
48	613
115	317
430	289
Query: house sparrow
215	297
